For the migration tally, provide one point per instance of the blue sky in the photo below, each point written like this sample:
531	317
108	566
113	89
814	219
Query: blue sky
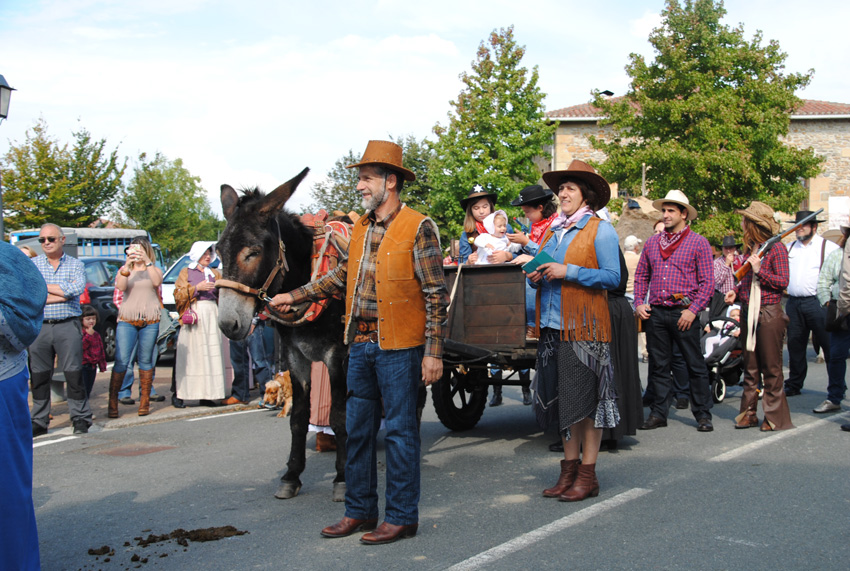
248	93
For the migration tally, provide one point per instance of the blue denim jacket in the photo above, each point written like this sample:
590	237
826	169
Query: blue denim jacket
606	277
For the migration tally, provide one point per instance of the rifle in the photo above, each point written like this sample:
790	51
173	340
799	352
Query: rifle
745	269
522	226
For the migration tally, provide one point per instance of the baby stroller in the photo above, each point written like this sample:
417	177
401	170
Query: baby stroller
724	362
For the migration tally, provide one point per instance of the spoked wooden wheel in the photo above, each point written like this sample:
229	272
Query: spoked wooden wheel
460	397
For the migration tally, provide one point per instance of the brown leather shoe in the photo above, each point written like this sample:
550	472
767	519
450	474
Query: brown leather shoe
232	400
585	486
652	423
347	526
748	420
387	533
569	469
766	427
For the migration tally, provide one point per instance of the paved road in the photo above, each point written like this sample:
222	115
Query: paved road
671	498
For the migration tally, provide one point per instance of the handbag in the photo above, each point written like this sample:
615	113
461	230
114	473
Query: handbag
189	317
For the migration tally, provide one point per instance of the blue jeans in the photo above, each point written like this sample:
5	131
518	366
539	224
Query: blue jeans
255	344
126	390
126	337
836	366
374	374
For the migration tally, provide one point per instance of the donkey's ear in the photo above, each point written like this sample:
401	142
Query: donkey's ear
229	199
275	200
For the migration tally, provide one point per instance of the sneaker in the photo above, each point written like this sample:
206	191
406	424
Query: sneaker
127	400
38	430
81	427
157	398
827	406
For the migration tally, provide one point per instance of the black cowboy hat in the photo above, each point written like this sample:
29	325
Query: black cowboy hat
476	193
802	215
729	242
532	194
582	171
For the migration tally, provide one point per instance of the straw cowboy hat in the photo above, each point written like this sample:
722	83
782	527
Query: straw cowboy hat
532	194
476	193
676	197
582	171
761	214
835	234
384	153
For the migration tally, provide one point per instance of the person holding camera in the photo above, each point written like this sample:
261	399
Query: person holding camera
138	321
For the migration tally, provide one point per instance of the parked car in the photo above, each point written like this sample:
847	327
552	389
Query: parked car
100	284
169	278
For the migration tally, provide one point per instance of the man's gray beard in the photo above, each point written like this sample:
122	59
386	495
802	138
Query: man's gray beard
373	202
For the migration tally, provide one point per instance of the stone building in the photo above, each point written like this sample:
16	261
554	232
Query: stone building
821	125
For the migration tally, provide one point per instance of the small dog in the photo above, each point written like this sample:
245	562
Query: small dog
279	394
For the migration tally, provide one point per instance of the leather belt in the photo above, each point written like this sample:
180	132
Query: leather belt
366	331
58	321
371	337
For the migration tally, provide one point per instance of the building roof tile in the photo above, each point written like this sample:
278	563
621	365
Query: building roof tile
810	107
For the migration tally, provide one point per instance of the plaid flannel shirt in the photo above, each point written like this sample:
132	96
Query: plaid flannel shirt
428	265
773	275
70	275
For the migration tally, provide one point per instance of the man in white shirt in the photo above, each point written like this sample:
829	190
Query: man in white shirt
805	313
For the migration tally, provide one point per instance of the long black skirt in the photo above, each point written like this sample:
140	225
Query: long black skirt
624	356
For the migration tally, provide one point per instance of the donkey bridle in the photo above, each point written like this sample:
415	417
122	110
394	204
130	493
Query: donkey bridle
280	267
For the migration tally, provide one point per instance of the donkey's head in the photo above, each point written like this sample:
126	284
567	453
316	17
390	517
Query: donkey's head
249	248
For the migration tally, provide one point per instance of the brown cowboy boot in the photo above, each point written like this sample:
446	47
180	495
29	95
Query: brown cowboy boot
585	485
145	384
114	387
747	419
569	469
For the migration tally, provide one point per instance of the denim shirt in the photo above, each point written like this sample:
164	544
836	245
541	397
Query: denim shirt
607	246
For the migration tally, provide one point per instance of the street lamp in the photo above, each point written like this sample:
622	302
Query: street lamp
5	95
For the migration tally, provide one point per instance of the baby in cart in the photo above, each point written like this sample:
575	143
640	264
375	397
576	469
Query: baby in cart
495	240
721	335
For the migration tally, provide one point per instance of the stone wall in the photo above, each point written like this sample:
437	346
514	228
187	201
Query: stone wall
830	138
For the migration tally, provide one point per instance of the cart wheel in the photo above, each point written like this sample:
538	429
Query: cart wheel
459	398
718	389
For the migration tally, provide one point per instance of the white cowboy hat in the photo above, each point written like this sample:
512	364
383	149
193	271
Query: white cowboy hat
676	197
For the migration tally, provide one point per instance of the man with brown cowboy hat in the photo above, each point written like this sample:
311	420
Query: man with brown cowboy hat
806	316
675	271
396	303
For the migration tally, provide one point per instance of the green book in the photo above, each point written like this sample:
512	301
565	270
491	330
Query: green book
534	263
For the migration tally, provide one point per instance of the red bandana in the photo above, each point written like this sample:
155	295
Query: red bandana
669	242
479	226
539	228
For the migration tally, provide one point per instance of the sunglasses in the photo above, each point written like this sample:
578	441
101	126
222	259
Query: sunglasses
43	239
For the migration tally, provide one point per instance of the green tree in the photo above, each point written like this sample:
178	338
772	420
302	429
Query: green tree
496	130
166	200
45	181
339	191
707	117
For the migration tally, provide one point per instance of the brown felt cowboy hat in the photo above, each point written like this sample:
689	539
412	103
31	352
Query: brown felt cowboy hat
384	153
761	214
584	172
676	197
476	193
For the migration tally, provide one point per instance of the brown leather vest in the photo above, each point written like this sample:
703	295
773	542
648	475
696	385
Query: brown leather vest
401	303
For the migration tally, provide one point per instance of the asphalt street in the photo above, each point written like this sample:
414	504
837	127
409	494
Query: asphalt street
671	498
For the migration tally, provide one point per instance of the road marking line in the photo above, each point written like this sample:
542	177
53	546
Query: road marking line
541	533
733	454
46	442
223	414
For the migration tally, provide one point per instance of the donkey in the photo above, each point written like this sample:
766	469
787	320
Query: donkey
266	250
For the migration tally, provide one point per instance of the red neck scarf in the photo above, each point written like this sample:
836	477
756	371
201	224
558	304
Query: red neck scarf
479	227
539	228
669	242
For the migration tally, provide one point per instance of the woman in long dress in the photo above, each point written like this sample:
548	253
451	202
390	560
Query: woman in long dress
200	359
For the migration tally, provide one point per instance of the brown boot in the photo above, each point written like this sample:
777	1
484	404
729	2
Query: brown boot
145	384
569	469
585	485
747	419
114	386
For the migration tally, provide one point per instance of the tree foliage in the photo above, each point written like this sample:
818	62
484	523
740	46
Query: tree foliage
45	181
707	116
496	129
339	191
166	200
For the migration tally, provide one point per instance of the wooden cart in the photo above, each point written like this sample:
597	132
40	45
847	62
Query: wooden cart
486	327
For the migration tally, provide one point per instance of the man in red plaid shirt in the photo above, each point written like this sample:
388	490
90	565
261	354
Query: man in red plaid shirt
676	272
